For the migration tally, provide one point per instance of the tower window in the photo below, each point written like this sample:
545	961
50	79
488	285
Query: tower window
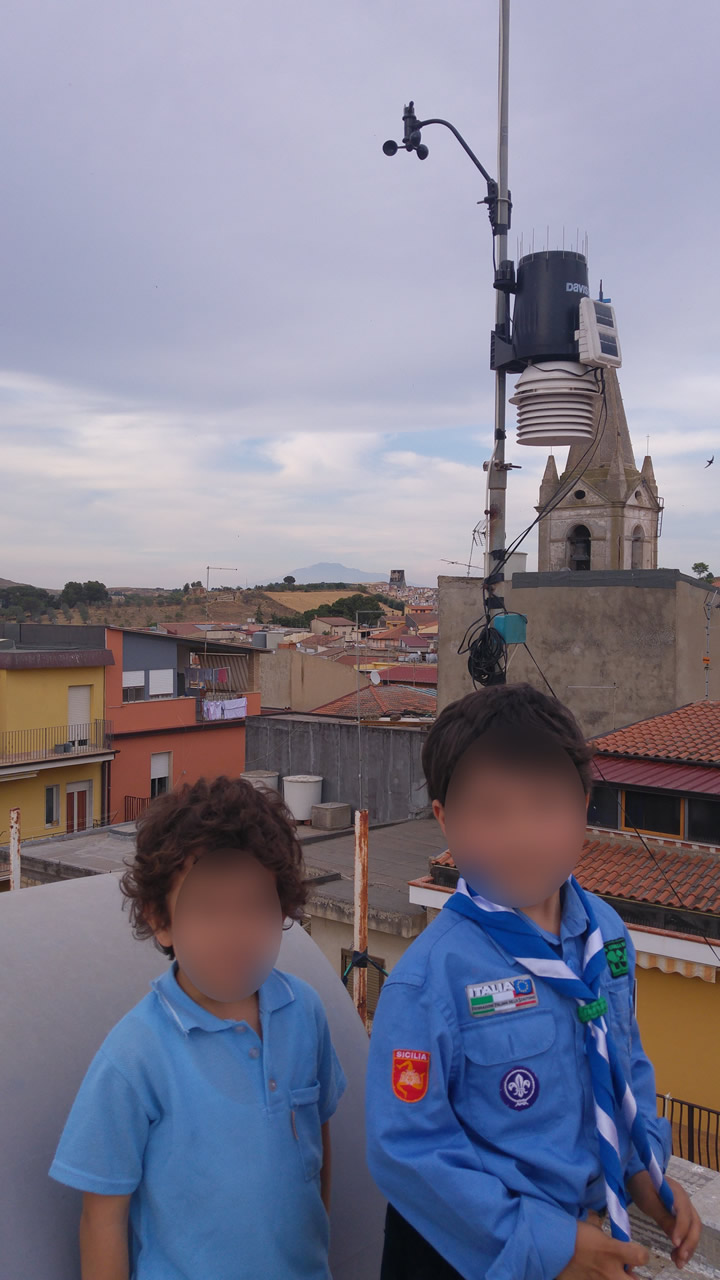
579	540
638	543
579	494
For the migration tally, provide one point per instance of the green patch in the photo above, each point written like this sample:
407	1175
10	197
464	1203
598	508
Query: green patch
596	1009
617	957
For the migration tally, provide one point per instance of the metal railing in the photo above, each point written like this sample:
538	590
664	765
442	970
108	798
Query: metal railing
695	1130
18	746
134	806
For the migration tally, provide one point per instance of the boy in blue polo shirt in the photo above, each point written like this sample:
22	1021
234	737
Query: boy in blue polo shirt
200	1135
510	1104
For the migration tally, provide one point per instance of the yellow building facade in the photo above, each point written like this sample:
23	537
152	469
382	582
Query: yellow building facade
55	744
679	1019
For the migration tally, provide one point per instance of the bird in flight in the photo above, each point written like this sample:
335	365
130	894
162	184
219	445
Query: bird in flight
709	462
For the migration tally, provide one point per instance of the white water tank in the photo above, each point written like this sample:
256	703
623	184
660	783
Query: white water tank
301	791
262	779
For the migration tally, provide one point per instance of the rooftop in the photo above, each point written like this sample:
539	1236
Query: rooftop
376	701
690	733
675	874
397	853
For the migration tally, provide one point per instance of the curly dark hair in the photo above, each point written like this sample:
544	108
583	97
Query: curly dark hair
210	816
528	721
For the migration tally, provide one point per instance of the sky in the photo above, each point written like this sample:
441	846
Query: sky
233	332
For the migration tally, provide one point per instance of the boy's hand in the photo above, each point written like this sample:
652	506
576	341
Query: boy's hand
598	1257
683	1229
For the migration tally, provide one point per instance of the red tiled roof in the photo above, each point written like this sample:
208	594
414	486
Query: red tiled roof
658	774
410	673
675	874
376	701
690	733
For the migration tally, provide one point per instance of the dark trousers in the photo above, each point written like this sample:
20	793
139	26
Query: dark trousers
408	1256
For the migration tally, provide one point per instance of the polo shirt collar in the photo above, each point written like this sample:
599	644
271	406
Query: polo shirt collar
274	993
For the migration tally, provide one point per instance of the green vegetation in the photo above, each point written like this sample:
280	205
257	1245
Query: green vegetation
362	603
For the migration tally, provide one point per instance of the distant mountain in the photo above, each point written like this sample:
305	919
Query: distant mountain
325	572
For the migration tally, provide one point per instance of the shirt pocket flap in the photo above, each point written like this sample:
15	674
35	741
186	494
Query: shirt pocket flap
516	1037
305	1097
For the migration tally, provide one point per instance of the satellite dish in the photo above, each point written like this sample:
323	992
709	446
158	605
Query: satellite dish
375	677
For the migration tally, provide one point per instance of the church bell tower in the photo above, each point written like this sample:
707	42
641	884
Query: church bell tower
608	515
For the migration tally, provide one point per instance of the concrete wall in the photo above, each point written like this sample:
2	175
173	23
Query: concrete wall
633	641
393	782
334	936
301	681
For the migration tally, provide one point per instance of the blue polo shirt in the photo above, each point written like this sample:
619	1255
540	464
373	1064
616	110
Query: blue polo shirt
214	1132
481	1129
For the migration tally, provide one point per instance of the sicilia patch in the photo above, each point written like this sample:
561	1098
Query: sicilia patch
410	1074
503	995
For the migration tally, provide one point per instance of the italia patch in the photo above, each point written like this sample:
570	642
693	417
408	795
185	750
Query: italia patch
617	957
410	1074
519	1088
501	996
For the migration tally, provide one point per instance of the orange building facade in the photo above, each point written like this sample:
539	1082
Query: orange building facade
178	710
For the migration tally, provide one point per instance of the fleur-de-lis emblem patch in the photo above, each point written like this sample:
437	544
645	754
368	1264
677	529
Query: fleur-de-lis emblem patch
519	1088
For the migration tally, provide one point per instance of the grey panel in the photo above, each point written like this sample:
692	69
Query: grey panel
70	969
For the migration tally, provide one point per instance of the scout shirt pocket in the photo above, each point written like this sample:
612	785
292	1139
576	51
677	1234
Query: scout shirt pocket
307	1130
509	1068
619	1018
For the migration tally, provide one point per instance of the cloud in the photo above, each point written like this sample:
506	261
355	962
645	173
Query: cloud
224	309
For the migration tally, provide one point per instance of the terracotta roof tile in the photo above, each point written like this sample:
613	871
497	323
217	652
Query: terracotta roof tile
690	733
674	874
378	700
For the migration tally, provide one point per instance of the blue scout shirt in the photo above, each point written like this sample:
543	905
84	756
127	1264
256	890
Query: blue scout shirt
214	1131
481	1129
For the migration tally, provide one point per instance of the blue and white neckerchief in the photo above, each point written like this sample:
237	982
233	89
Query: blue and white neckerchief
518	936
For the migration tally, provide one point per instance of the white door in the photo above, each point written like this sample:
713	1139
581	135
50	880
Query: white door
79	714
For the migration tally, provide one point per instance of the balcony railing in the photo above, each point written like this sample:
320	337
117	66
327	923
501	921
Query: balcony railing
21	746
134	806
695	1130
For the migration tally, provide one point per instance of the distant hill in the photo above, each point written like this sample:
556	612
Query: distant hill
325	572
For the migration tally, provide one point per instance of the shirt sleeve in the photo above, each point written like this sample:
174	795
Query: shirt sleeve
425	1163
330	1073
644	1089
102	1145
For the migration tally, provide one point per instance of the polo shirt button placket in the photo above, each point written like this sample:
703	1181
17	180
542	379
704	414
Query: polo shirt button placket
254	1052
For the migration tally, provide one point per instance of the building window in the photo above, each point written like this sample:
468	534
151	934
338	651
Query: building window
161	683
603	807
579	542
160	768
52	806
133	686
375	979
703	819
654	811
638	543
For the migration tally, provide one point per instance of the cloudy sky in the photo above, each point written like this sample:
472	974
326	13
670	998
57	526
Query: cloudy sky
233	332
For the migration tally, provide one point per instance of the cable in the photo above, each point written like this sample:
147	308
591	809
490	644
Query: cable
487	653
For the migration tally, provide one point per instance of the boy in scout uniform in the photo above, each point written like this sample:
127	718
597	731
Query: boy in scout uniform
510	1104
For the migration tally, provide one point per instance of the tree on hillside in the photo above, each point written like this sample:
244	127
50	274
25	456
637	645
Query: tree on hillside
289	580
186	588
96	592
